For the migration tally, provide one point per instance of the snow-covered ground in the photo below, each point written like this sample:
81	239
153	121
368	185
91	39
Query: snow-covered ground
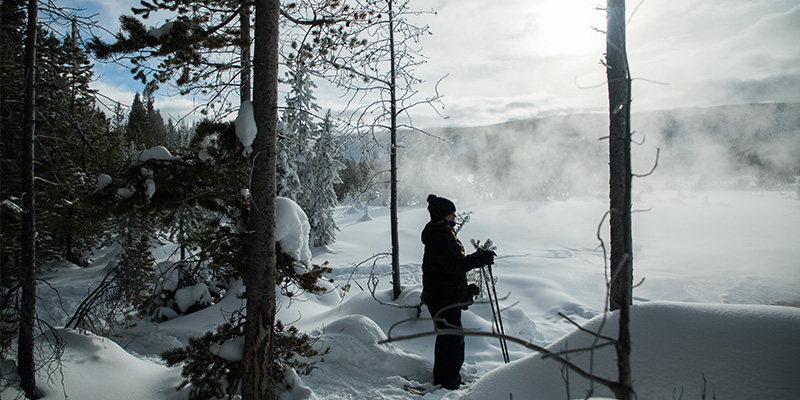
710	318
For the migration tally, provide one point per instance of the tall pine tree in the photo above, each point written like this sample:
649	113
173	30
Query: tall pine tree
72	143
325	165
186	52
297	137
145	128
156	129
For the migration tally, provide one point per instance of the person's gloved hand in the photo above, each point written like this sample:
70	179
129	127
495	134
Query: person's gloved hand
485	257
481	258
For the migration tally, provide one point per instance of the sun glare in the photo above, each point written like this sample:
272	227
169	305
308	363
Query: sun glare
568	27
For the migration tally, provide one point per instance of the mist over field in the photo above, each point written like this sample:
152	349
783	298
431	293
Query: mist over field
742	147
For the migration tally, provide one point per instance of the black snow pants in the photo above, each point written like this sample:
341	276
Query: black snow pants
448	353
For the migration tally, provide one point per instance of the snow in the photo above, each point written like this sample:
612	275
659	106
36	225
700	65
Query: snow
168	276
12	206
98	368
189	296
161	31
245	124
126	193
725	345
158	153
103	181
150	187
292	229
232	350
715	265
204	155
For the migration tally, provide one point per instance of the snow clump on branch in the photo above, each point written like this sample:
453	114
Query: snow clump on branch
158	153
292	230
245	124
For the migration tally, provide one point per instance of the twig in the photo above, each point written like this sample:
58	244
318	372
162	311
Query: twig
526	344
586	330
658	152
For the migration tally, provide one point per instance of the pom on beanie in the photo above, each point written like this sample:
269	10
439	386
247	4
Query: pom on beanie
439	207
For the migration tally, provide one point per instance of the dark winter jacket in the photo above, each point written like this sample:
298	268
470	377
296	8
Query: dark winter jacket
444	265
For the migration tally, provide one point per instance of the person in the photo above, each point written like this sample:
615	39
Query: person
444	287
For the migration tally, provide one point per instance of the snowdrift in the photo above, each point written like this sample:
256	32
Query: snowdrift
679	350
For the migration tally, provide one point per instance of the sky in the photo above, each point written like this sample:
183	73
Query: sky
517	59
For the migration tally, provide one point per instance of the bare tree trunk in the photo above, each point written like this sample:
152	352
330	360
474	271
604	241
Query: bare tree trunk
393	149
619	96
25	360
244	23
260	277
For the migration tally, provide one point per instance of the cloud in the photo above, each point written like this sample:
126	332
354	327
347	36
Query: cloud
513	59
713	52
107	13
112	93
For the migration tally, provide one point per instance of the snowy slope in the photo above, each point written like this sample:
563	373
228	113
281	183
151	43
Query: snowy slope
713	263
740	351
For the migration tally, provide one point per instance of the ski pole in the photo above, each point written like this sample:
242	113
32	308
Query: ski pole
506	357
496	317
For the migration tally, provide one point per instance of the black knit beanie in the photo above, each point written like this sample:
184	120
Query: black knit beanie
439	207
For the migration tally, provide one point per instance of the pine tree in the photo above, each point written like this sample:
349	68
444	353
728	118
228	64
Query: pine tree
118	149
86	128
78	72
183	50
12	70
355	181
146	127
72	145
156	131
287	180
137	124
297	138
71	151
324	174
27	279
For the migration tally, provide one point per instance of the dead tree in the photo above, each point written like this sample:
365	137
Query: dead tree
619	97
383	68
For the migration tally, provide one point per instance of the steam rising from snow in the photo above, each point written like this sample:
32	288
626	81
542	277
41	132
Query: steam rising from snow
738	147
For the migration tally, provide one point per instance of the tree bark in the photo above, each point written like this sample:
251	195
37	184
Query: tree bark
396	287
25	345
260	277
619	96
246	82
